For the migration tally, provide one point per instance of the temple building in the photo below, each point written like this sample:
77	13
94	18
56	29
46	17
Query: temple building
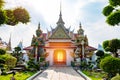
60	44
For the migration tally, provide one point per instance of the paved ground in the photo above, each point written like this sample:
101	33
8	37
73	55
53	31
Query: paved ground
59	73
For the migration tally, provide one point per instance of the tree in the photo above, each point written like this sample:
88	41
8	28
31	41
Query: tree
10	61
17	53
7	61
112	46
111	65
2	52
13	16
112	12
100	53
17	49
117	77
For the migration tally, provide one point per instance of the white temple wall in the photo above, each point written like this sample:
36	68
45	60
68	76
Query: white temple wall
51	56
69	57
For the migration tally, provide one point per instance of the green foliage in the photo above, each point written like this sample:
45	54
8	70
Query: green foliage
117	77
107	49
111	65
18	76
2	17
100	53
13	16
94	75
10	18
72	64
16	53
1	3
33	65
106	55
42	59
114	2
10	61
107	10
112	45
2	61
114	18
21	15
2	52
105	44
112	12
17	49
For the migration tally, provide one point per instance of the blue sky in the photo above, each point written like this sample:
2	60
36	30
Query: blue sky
88	12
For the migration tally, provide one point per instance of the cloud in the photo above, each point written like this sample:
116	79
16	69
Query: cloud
100	31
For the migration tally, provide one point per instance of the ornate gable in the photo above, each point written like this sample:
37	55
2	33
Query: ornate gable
60	33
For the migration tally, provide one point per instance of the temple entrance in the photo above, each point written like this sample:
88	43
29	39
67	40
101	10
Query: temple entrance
59	56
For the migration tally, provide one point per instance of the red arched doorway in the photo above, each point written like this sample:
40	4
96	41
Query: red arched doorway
59	56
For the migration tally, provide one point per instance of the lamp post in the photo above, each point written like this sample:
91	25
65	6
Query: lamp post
82	43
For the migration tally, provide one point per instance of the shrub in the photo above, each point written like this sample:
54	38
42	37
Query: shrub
2	52
111	65
100	53
117	77
10	62
42	59
72	64
2	61
33	65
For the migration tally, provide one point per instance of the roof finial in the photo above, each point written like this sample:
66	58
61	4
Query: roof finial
80	25
60	8
39	25
9	48
60	21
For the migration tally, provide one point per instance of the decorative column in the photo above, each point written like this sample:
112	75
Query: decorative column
36	52
83	49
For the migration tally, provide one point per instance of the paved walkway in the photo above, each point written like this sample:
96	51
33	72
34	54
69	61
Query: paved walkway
59	73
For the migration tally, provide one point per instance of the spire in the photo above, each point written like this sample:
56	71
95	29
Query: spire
39	25
80	31
80	25
21	45
60	20
69	28
51	27
38	31
73	30
9	44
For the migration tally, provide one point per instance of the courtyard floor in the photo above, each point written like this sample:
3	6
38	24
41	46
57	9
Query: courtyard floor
59	73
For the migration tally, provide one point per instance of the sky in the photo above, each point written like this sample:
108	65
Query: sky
88	12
